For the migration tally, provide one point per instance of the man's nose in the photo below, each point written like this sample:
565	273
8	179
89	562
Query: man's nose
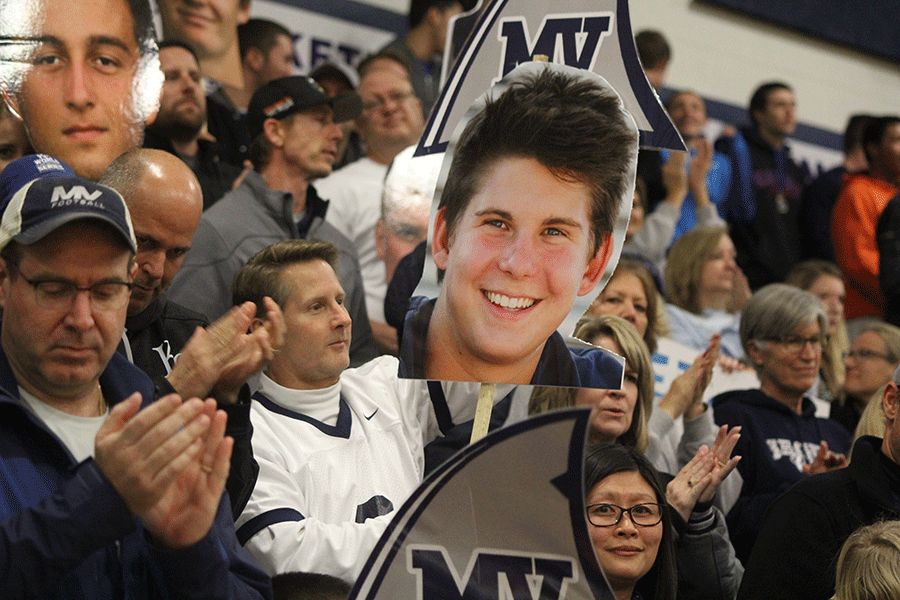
80	315
518	258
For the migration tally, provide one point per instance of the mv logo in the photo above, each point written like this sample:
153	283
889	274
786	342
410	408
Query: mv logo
572	40
77	194
490	575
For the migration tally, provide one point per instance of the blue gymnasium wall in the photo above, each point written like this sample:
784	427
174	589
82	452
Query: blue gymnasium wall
867	25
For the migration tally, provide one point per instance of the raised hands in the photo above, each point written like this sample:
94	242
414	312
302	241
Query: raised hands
168	462
699	170
253	352
220	358
675	178
701	477
187	510
685	395
825	461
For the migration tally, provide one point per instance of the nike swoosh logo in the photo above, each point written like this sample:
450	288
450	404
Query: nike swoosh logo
369	418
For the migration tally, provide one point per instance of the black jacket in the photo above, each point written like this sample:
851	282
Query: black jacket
775	444
797	549
66	533
155	337
887	234
763	206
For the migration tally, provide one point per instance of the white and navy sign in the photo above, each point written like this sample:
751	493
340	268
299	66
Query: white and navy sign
342	32
594	36
503	519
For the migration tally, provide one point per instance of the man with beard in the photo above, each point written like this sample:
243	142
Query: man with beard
179	123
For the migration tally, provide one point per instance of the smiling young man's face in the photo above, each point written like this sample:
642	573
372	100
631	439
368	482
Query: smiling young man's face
514	263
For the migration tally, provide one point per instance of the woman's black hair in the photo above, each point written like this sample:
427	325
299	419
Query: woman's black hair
601	461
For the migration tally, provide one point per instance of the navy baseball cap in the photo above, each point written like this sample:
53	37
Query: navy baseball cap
288	95
39	194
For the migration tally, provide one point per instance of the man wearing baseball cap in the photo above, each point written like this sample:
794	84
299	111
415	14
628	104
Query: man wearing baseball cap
106	492
294	132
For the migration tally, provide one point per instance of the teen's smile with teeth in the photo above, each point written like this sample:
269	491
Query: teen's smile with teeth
509	303
513	264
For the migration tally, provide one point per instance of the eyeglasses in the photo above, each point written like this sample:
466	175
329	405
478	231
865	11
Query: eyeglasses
380	102
608	515
795	344
59	294
866	355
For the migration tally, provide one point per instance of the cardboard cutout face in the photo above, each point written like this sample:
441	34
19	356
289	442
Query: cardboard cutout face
82	74
523	233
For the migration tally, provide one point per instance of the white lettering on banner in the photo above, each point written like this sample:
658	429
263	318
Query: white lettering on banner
799	453
491	574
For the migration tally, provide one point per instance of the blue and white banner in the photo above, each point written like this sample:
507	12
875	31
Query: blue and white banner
503	519
593	36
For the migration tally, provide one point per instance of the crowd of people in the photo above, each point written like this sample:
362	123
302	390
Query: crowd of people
203	256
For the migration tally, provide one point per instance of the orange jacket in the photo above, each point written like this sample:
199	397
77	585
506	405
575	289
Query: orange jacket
853	223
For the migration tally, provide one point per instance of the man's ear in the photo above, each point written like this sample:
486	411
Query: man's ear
5	282
756	354
433	16
359	125
380	235
890	400
873	150
440	241
150	118
243	14
596	266
274	131
255	59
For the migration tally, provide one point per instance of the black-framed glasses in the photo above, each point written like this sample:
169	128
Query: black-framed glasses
866	355
795	343
608	515
59	294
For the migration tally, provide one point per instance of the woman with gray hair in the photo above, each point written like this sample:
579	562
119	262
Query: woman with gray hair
782	441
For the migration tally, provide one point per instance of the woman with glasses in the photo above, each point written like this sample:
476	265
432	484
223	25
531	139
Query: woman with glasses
782	440
706	564
629	523
869	364
824	280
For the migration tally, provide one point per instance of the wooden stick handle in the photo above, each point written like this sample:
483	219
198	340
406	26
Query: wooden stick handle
483	411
